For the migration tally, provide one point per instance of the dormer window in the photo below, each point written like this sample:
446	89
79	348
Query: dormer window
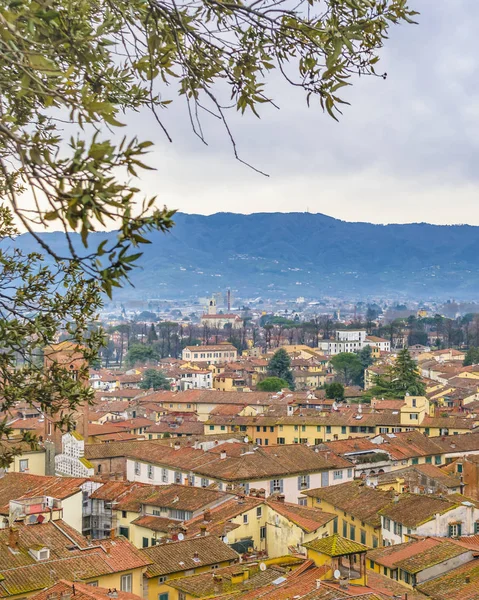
40	553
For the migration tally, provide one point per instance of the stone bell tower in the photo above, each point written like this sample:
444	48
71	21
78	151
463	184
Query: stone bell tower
68	356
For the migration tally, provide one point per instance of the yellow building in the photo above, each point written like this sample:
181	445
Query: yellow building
31	557
346	559
29	461
182	558
267	526
356	507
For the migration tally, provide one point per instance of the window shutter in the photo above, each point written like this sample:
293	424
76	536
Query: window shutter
308	481
281	486
299	482
271	486
450	531
459	529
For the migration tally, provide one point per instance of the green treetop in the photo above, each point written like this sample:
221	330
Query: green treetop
280	366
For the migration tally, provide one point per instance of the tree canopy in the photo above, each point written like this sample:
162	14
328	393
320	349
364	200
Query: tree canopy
334	391
402	378
141	354
280	366
349	367
154	379
272	384
472	357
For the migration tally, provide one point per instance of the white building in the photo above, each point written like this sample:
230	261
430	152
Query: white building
192	379
427	515
353	340
286	470
210	354
72	462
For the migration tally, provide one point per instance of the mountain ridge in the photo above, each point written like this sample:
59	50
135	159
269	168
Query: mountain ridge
300	254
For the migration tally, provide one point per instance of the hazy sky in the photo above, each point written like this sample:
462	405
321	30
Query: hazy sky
406	150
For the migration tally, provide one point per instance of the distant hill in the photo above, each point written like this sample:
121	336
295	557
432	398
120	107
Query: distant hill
302	254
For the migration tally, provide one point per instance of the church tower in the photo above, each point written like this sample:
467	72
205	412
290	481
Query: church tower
68	356
212	306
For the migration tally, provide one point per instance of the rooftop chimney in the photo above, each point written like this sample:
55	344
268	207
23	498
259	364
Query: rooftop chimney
177	446
203	530
13	534
207	516
280	498
223	454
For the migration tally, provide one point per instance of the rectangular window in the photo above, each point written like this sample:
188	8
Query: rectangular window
23	465
212	427
337	475
350	472
476	527
375	541
363	536
126	582
150	471
386	524
437	460
459	468
454	530
343	429
271	429
259	512
398	529
204	482
415	461
328	428
144	543
428	460
352	532
345	529
124	532
318	427
245	519
137	468
164	475
124	514
163	596
281	441
371	564
262	533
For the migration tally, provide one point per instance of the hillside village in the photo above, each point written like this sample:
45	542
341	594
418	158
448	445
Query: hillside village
210	487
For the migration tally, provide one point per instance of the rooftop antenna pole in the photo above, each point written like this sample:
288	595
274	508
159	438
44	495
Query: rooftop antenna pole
229	300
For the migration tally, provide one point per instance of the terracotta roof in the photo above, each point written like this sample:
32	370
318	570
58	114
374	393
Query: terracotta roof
80	591
185	428
417	555
262	463
431	471
155	523
226	347
335	545
20	573
413	510
409	444
204	585
458	584
355	498
308	519
219	518
457	443
14	486
180	556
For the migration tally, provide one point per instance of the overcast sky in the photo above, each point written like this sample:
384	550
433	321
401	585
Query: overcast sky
405	151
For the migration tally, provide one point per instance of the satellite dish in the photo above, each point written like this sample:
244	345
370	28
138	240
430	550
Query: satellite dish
181	537
337	574
262	567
